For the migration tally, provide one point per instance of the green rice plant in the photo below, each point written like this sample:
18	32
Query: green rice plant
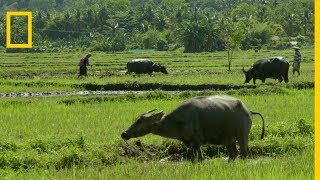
58	71
78	137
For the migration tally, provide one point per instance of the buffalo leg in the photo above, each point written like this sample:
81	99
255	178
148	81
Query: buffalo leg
196	153
244	150
286	79
199	153
285	76
294	70
263	80
232	151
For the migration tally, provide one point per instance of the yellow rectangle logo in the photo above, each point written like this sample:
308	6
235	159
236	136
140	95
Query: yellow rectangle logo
8	30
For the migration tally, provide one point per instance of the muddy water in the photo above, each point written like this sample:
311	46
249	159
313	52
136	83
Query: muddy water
70	93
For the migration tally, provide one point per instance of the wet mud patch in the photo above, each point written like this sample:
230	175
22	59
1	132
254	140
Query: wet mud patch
170	150
90	96
175	152
68	93
157	90
147	152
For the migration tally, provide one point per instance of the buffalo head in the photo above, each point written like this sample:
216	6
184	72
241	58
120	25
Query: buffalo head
248	74
143	125
159	68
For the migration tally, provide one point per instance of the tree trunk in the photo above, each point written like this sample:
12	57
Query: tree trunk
229	59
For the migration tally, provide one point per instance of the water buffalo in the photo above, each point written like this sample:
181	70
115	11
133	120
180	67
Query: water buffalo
140	66
217	120
275	67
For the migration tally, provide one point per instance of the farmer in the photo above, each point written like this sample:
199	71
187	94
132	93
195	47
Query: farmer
83	65
296	60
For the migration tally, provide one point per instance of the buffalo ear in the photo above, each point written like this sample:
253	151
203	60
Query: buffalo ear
157	116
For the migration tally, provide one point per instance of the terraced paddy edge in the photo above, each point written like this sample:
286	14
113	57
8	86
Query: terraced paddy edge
165	87
11	86
127	89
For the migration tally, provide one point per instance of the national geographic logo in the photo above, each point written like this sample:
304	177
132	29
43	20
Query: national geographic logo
8	30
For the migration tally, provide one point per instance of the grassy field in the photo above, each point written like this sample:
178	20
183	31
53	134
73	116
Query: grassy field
47	72
79	136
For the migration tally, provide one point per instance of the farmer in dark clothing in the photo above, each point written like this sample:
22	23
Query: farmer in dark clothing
83	65
296	60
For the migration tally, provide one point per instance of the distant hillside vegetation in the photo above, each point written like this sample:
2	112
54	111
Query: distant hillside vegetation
193	25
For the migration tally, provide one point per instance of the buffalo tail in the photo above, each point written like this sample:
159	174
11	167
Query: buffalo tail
262	133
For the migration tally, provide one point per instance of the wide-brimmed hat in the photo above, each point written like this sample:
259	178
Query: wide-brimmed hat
295	47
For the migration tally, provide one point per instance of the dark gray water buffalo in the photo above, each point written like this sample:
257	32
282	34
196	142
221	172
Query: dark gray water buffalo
140	66
217	120
275	67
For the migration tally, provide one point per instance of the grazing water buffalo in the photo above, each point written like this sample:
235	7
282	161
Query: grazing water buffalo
217	120
140	66
275	67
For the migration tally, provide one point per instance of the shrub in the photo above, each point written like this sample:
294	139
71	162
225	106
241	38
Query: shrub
101	46
161	45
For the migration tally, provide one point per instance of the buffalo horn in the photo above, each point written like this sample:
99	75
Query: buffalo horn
243	70
151	110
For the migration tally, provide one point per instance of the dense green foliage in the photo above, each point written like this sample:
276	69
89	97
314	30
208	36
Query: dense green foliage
195	25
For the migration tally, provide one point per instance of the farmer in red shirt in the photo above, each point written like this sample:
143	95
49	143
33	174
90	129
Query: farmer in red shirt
83	65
